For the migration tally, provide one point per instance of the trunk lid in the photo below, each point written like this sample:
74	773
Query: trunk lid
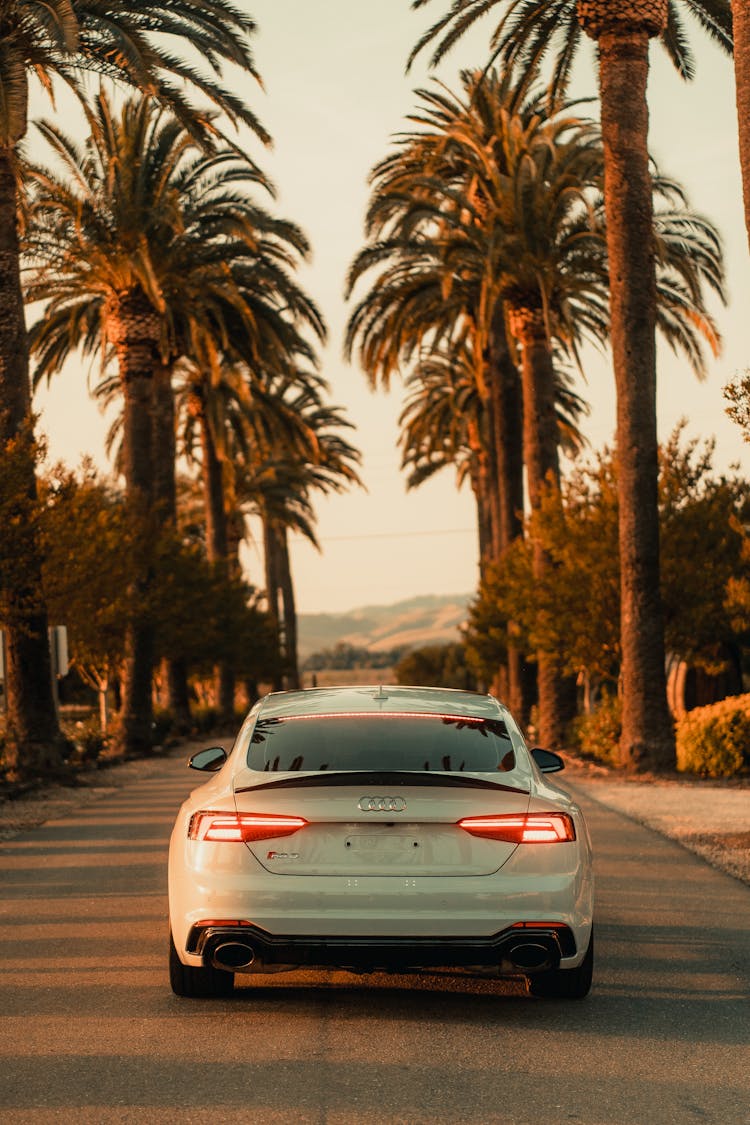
379	823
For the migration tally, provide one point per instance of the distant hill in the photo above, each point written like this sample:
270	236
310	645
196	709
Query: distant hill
429	619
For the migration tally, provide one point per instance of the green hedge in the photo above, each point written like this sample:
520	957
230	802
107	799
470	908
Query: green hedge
714	741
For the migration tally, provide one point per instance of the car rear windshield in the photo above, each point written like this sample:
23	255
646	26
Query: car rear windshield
441	743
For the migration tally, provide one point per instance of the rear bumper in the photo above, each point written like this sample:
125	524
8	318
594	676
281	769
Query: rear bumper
520	948
362	921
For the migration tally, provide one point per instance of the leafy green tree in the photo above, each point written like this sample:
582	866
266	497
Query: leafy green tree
525	31
737	395
347	656
703	519
574	608
224	625
436	666
88	546
577	605
132	41
88	543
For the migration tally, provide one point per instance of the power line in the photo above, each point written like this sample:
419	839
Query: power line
389	535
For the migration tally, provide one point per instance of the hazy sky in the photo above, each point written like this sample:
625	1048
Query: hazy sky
335	93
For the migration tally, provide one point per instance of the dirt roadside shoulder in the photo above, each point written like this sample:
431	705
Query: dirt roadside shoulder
710	818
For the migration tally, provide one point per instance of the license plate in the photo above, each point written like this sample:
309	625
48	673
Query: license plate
383	846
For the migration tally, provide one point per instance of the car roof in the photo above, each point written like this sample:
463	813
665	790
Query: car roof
377	699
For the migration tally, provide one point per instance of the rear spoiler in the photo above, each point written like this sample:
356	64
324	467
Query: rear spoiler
383	777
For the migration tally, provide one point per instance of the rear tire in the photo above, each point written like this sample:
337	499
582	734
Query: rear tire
565	984
197	983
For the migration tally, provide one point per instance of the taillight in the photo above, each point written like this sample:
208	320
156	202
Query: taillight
242	827
528	828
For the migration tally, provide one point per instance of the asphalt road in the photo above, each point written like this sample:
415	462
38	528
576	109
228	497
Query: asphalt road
90	1032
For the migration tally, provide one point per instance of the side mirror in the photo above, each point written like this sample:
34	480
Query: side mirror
209	760
547	760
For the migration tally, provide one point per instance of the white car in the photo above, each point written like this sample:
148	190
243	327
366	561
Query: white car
380	829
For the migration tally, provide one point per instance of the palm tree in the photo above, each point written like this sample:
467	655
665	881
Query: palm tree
443	425
446	423
275	325
622	30
109	238
133	41
277	479
509	199
544	265
229	416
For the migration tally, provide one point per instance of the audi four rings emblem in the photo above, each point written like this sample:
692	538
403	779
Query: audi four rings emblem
382	804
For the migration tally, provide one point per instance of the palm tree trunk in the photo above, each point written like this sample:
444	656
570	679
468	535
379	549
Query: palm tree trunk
481	477
133	328
491	483
213	496
540	433
165	504
506	396
33	729
164	445
647	730
216	545
494	503
507	431
540	444
741	30
273	587
289	607
236	531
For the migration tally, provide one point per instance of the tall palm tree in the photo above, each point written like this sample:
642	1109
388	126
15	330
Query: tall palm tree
142	213
512	197
622	30
133	41
544	266
229	418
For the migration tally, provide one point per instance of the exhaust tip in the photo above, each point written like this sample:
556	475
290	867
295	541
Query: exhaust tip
233	955
529	955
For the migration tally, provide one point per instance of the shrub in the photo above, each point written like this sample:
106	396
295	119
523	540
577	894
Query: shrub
87	739
205	719
438	666
597	735
714	741
161	726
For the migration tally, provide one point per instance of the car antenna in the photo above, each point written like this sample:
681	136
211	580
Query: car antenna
380	694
